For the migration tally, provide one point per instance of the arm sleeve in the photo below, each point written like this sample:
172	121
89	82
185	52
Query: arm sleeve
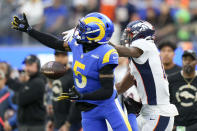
144	46
141	44
106	82
47	39
30	93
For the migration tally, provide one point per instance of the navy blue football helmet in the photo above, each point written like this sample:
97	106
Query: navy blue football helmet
137	30
94	27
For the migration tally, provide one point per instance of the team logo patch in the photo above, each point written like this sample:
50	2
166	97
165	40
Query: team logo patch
186	96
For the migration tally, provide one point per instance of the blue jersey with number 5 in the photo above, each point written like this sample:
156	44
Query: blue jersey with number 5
86	67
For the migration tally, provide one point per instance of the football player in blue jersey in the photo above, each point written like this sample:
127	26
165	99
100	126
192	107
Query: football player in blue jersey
93	63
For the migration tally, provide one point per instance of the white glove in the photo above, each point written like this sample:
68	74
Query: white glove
68	34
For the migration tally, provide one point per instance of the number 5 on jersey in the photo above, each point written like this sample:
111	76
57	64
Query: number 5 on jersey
83	82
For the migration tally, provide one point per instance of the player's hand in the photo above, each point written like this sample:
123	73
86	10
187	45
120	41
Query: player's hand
21	24
68	34
132	105
73	94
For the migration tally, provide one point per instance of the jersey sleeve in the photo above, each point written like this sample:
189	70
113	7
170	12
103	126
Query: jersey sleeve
144	46
110	57
141	44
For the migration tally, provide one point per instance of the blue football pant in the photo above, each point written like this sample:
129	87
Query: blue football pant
133	121
94	120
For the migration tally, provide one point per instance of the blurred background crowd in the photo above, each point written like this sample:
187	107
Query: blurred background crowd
174	19
175	22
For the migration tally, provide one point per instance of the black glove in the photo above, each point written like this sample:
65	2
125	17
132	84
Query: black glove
73	94
132	105
21	24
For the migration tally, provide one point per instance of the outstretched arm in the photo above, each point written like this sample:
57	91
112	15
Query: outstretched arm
127	51
126	83
49	40
46	39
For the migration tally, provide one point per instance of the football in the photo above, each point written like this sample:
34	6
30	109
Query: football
53	70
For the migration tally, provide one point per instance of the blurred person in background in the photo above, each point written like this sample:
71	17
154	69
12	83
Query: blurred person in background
108	8
183	92
167	49
125	12
92	6
193	9
165	26
6	68
61	108
54	17
165	17
78	11
182	19
7	8
149	13
29	96
34	10
7	121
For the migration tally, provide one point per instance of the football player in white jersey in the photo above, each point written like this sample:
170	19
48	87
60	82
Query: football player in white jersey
157	114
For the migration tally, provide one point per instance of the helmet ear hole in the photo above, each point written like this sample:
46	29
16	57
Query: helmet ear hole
107	25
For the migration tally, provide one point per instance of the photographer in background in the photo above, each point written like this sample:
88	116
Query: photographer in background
183	93
29	96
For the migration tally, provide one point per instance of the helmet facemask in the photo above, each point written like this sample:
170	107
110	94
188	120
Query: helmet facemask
85	33
126	37
80	31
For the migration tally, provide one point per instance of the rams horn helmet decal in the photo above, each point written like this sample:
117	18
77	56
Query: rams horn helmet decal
101	26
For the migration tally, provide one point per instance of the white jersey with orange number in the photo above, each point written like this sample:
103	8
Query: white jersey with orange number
152	83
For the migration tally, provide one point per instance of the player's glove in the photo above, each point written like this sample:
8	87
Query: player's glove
73	94
132	105
21	24
68	34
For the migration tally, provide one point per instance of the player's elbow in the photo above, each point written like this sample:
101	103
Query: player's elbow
107	88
